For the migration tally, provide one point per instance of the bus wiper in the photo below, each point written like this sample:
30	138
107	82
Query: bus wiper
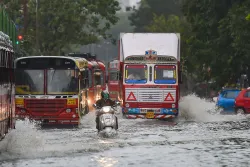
52	76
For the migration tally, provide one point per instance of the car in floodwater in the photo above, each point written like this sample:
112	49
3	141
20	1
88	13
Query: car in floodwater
226	100
242	102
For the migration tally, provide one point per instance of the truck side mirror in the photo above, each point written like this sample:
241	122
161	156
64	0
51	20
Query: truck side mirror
107	79
120	76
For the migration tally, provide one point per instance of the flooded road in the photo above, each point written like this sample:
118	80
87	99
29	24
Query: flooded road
195	139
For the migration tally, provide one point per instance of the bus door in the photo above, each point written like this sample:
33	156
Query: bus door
98	83
83	83
91	87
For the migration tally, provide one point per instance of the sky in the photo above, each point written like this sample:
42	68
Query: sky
130	3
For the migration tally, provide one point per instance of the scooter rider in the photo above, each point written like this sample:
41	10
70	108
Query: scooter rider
104	101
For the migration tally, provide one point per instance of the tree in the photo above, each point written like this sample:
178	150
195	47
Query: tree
216	26
174	24
142	17
248	17
235	36
63	24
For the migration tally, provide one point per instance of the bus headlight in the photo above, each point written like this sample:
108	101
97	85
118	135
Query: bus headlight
68	110
97	98
22	110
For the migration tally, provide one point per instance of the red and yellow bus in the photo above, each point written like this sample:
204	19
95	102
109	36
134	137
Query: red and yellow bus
114	85
96	77
7	98
51	89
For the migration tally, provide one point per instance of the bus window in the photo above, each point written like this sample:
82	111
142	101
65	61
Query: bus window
90	78
98	78
102	78
84	79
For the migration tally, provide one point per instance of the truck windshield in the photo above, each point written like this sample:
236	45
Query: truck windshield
165	74
135	74
113	76
29	82
62	82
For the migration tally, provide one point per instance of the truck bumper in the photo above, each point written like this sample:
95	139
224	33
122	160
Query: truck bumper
153	113
51	120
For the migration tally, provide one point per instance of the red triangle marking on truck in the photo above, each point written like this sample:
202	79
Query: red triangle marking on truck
169	97
131	97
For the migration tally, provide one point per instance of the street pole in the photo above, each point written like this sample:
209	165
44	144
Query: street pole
37	42
25	11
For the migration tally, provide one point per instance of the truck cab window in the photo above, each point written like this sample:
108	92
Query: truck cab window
165	74
135	74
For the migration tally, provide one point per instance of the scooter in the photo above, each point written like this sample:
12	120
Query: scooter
107	118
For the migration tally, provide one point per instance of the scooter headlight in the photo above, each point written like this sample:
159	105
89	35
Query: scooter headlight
106	109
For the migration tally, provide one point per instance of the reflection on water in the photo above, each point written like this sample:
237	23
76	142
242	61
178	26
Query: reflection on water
106	161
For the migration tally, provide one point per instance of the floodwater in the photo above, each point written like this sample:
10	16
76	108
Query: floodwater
196	138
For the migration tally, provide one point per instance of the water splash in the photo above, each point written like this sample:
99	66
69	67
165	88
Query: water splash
108	133
193	108
25	140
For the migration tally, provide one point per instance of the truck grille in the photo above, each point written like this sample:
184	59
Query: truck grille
45	105
151	95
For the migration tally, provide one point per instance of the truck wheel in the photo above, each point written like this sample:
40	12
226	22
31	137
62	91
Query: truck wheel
240	111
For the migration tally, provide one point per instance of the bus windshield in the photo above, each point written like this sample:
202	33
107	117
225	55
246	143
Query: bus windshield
29	82
165	74
135	74
62	82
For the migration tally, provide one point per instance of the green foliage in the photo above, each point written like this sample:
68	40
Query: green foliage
62	24
248	17
143	16
220	37
174	24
